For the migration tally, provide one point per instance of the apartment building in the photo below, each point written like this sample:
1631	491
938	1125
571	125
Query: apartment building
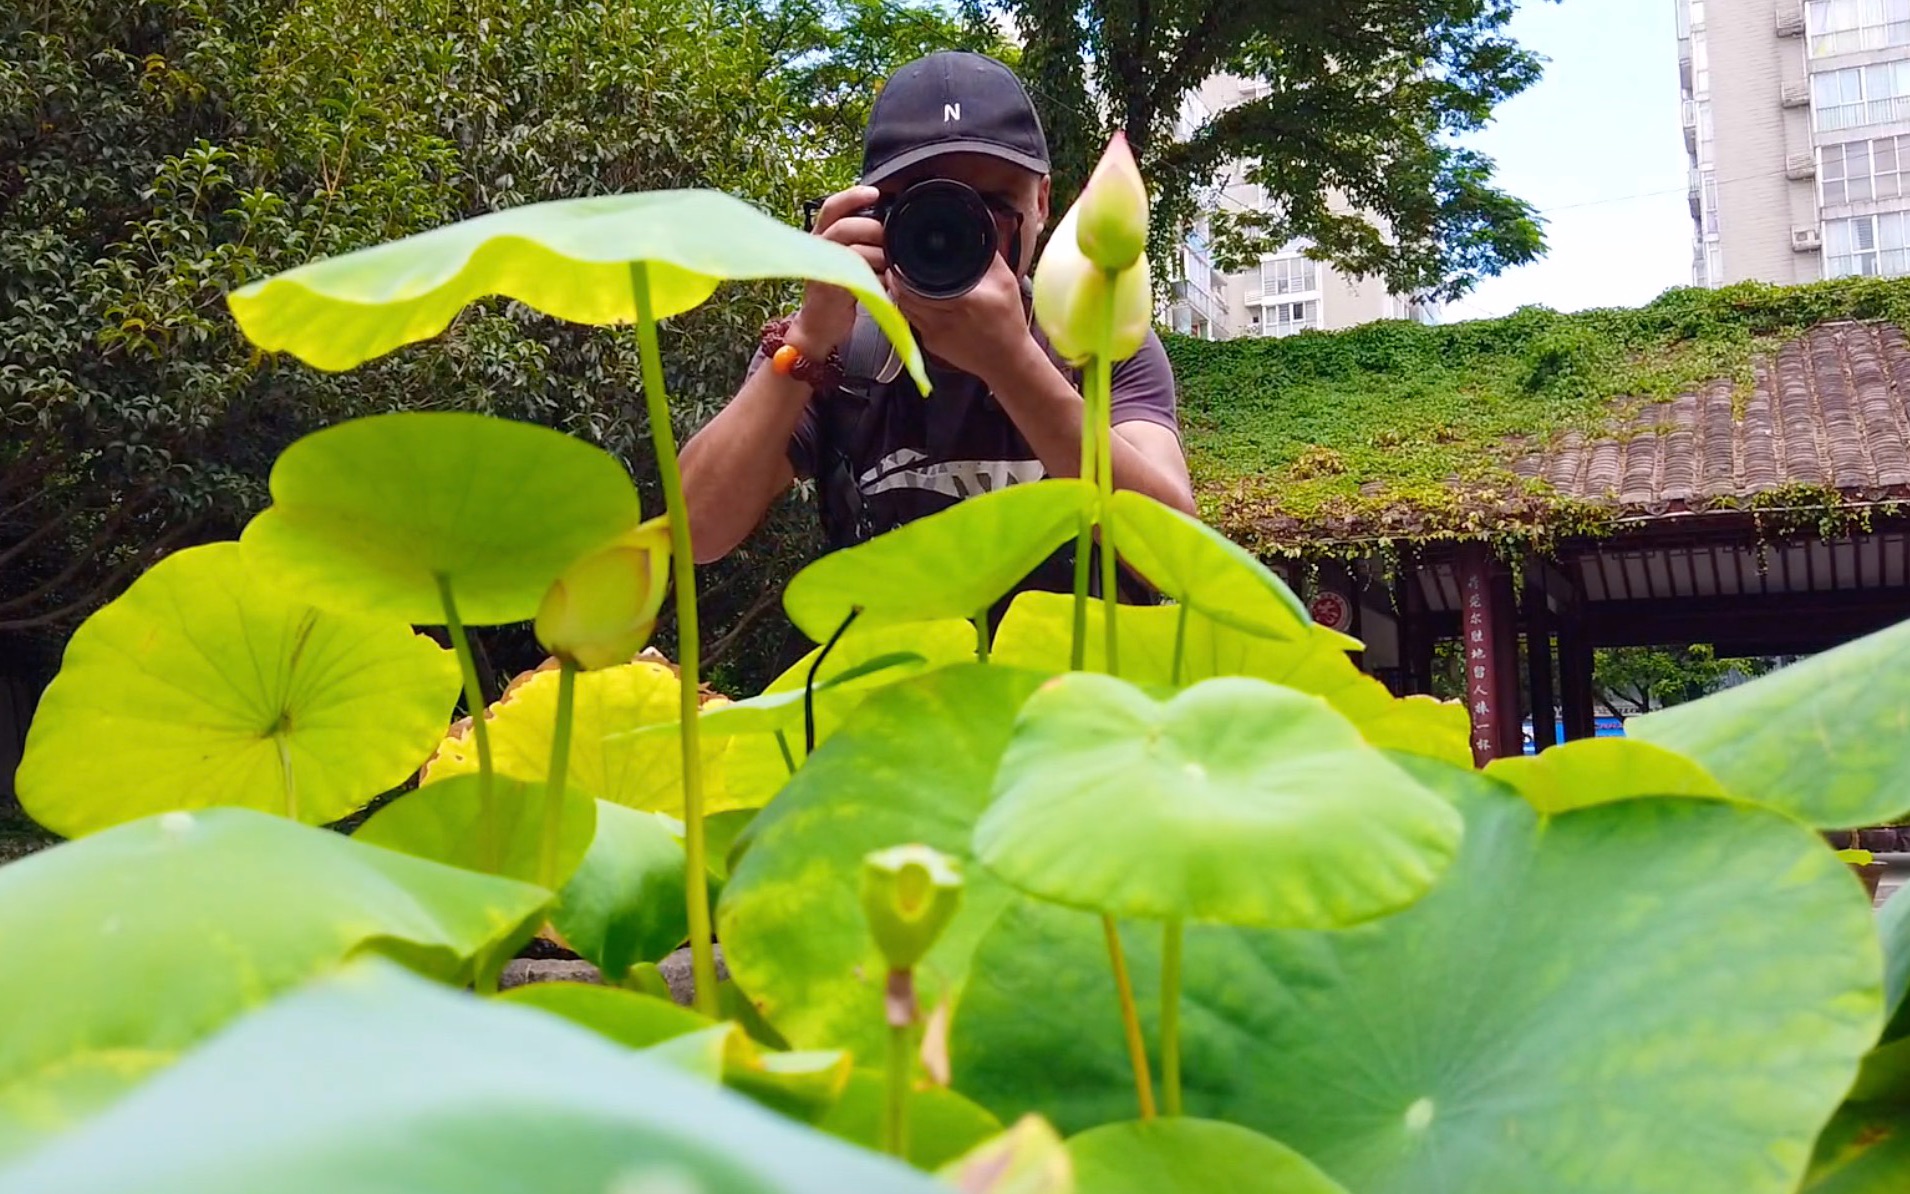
1797	122
1287	292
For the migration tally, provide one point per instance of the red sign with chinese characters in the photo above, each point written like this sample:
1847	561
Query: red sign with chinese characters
1475	632
1331	610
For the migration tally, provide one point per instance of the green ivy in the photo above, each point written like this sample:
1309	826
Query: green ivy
1397	432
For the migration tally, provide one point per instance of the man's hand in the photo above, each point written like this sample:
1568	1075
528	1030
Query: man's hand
828	314
980	333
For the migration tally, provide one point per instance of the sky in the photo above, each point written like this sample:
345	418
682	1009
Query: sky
1598	147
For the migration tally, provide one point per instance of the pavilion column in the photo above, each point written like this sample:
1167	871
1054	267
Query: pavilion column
1538	657
1575	675
1488	634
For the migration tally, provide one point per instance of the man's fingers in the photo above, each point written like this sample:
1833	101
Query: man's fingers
854	230
843	203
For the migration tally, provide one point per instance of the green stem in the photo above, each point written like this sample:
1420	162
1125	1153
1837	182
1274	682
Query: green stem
1083	544
899	1008
1170	1017
559	766
1180	642
782	744
285	773
1130	1020
683	576
1102	404
981	636
488	855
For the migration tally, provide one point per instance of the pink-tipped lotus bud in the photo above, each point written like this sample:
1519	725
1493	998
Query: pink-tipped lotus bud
1113	206
1074	299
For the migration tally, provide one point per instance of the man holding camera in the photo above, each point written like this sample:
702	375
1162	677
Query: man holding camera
953	199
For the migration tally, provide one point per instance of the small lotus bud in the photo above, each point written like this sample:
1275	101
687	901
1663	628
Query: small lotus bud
1073	297
1113	206
909	894
601	611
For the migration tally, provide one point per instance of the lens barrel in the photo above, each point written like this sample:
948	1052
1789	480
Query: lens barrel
940	236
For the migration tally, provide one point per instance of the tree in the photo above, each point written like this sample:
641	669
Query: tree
153	157
1354	139
1640	679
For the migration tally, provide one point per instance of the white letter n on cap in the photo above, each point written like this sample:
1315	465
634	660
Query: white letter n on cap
951	112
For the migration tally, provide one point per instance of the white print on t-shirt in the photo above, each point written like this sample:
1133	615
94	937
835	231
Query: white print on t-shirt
956	478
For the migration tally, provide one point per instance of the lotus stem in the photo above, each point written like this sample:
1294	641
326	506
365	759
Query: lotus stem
683	577
488	846
782	744
809	683
1180	642
1101	383
899	1003
1084	543
981	636
559	767
1130	1019
1170	1017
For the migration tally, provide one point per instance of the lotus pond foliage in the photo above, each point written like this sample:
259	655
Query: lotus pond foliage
1099	898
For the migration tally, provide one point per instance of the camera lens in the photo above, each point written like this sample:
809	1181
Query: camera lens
941	238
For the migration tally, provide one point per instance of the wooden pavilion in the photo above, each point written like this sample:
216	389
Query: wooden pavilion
1767	513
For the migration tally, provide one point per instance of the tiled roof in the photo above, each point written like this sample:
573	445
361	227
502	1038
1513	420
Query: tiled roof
1831	409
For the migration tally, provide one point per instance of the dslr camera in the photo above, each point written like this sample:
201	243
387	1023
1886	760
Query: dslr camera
940	235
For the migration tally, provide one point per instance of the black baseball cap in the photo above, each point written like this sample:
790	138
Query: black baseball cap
952	102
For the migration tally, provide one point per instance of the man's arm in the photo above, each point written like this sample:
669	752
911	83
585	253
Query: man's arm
738	463
1048	410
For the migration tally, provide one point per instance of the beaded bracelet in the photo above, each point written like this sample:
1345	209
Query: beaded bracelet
788	361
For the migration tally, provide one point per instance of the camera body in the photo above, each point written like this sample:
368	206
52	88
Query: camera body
940	236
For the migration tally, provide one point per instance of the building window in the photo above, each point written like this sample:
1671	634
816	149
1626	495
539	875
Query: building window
1289	275
1700	67
1859	95
1868	245
1697	14
1859	171
1286	319
1850	26
1708	205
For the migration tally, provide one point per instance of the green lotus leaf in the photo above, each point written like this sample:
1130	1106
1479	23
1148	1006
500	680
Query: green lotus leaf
952	564
1864	1150
1028	1158
625	903
942	1124
804	1086
637	1021
371	1081
755	767
443	822
1200	567
201	685
638	771
1037	633
1820	739
1644	997
570	258
369	516
1189	1156
150	935
1599	771
913	763
1236	802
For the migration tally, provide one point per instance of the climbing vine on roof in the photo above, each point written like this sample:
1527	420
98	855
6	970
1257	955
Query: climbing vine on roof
1398	432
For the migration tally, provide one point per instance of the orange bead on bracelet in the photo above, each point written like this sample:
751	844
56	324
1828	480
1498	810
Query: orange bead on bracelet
786	359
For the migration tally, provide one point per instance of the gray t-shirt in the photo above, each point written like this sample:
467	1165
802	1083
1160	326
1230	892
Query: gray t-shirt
895	456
